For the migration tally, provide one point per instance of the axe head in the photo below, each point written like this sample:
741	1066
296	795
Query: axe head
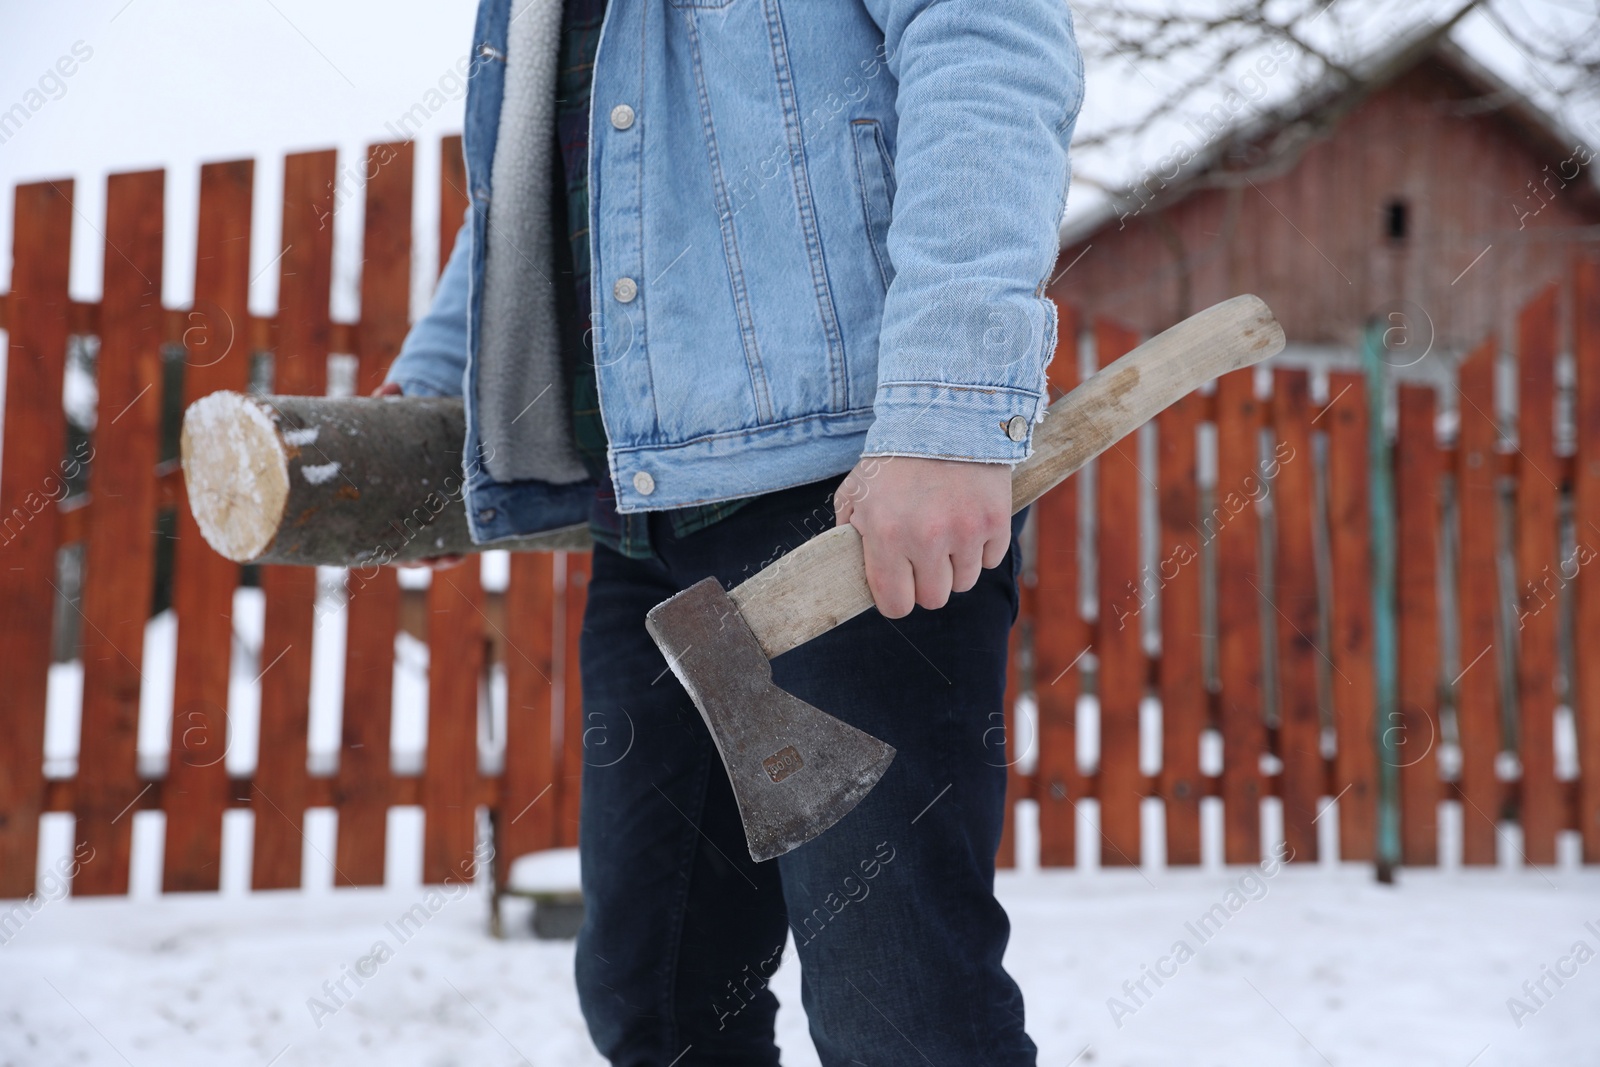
795	770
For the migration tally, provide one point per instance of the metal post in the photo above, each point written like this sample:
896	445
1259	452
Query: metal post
1380	481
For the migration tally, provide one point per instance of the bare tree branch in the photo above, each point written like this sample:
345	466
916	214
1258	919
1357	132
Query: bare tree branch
1193	53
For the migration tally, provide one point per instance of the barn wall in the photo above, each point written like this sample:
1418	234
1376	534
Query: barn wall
1313	242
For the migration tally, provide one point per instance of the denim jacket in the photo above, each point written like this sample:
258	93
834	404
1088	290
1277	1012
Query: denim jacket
819	229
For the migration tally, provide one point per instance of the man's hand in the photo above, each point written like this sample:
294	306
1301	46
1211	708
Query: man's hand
928	526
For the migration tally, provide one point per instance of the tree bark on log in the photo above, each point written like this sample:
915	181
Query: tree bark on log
338	481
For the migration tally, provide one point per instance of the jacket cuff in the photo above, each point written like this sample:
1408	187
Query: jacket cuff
420	385
979	424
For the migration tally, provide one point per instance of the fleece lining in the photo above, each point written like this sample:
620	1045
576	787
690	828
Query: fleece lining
524	397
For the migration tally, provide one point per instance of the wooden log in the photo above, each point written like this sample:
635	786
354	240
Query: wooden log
346	481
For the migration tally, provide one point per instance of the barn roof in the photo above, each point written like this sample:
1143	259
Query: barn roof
1270	142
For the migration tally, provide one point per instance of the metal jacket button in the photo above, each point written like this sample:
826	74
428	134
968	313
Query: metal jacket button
625	290
622	116
1016	428
644	483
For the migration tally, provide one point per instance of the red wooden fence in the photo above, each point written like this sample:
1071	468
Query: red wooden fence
1242	608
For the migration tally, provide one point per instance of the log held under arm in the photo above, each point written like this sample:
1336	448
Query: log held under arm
338	481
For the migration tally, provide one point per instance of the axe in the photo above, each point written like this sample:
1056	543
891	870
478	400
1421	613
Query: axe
795	769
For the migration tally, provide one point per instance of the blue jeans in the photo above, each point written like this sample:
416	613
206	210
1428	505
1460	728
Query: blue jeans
892	910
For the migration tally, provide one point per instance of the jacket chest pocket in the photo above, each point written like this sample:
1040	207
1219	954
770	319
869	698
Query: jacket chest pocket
875	176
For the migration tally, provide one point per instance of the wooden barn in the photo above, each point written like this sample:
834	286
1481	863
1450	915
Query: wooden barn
1432	190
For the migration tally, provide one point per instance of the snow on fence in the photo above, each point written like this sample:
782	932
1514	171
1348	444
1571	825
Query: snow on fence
1207	643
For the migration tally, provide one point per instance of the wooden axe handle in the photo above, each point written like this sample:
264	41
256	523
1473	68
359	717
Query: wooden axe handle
824	582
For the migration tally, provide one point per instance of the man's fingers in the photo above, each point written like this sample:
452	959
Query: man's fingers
889	576
995	549
964	569
928	526
933	578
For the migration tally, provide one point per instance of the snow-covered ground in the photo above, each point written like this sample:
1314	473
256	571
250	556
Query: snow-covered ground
1311	964
1314	967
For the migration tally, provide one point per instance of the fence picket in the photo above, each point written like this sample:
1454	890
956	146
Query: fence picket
527	810
1121	596
569	774
373	607
217	356
30	481
1059	637
1354	684
120	555
450	775
1477	690
1417	517
1295	586
1538	556
1235	526
1182	664
455	646
1586	517
300	366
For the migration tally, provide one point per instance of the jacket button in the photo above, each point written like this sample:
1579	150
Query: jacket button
1016	428
625	289
622	116
644	483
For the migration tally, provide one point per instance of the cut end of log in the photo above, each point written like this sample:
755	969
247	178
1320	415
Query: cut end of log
236	471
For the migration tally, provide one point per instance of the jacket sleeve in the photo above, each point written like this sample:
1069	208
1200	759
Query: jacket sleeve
433	358
988	95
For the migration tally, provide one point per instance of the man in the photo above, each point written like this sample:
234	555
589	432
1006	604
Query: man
807	248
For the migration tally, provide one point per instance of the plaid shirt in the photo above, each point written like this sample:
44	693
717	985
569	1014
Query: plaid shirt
626	534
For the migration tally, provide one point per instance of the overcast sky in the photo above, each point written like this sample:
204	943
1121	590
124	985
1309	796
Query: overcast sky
175	83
